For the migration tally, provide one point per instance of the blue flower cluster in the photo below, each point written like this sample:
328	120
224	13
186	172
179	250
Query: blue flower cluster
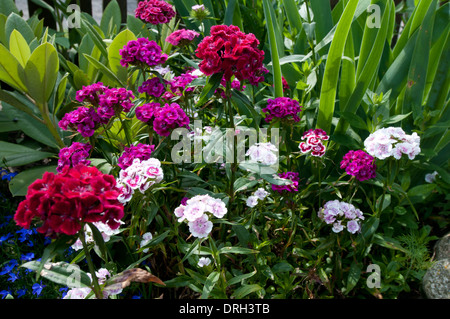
15	246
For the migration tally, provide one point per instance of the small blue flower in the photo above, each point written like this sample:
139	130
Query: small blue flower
37	288
138	296
9	176
5	237
8	267
21	292
24	234
13	277
64	291
5	293
27	257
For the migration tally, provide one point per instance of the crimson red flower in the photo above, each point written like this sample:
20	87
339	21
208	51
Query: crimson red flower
62	203
232	52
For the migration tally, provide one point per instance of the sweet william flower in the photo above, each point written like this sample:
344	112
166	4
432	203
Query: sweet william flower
359	164
182	37
313	142
197	210
63	202
392	141
227	49
154	11
252	201
201	227
142	53
283	108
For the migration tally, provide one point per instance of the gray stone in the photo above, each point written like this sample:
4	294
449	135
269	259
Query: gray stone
442	248
436	282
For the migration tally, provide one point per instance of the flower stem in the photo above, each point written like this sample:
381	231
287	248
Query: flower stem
96	287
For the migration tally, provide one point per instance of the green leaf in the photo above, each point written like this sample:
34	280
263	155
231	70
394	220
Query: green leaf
114	56
28	124
16	22
210	87
11	72
210	282
293	16
19	48
14	155
240	278
421	191
275	46
354	120
367	69
7	7
100	248
417	75
111	19
331	75
86	27
106	71
237	250
353	276
19	183
245	290
154	241
69	275
41	72
60	93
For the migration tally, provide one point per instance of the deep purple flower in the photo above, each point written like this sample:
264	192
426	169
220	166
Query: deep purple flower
169	117
142	52
147	112
283	108
359	164
154	87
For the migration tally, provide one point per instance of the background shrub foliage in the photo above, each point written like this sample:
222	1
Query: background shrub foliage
349	77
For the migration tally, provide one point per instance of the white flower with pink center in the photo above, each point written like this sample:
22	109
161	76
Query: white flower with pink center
197	211
140	175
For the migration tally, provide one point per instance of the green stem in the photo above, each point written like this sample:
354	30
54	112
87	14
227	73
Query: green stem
50	125
125	129
96	288
231	124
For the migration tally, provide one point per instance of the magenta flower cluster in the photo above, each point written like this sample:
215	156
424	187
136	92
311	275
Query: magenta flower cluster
179	85
153	87
101	104
359	164
154	11
292	187
164	119
182	37
71	156
169	117
313	142
142	52
140	151
283	108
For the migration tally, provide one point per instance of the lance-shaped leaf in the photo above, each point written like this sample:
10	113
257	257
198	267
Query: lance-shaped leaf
62	273
331	76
